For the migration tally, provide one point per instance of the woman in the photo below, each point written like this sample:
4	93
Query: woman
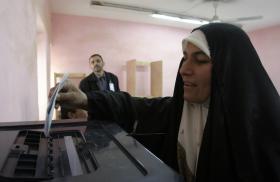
222	122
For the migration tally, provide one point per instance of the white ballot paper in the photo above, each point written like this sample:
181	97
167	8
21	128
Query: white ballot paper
51	105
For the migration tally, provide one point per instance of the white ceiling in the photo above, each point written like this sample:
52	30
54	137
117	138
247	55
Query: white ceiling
227	9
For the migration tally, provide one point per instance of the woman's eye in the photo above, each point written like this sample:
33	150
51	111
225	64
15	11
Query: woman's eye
202	61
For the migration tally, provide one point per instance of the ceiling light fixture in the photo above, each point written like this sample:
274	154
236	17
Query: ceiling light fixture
178	19
154	13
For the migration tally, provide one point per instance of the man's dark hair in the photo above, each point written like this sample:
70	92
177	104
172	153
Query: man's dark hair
95	55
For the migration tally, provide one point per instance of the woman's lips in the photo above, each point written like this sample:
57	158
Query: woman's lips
189	84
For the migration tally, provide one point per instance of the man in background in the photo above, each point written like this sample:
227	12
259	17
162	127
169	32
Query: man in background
99	79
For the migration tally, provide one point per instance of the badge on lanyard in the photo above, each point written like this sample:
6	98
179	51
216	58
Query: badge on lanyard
111	86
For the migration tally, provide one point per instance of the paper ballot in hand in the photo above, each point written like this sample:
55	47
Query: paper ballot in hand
51	105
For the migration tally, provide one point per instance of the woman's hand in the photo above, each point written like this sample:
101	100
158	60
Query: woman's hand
70	96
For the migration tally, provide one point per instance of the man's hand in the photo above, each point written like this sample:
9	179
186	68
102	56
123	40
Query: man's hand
70	96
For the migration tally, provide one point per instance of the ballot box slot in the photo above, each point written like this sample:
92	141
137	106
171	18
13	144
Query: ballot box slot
86	157
137	163
84	149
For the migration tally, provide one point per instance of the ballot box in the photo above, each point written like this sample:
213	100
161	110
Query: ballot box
77	151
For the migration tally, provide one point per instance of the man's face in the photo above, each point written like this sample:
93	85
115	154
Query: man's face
96	64
196	74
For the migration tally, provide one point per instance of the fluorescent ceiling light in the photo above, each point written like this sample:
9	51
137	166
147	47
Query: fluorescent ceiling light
178	19
155	13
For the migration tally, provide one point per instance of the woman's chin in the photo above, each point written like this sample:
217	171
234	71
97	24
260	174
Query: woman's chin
194	99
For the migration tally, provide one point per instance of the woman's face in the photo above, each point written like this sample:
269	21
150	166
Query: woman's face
196	74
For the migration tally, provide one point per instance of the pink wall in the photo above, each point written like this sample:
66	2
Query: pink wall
267	44
43	53
75	38
18	75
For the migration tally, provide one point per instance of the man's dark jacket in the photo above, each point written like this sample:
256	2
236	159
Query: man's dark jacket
89	83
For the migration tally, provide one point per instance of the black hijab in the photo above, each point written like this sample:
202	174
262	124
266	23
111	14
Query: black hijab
241	140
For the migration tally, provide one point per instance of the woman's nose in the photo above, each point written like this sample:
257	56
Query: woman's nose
186	68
